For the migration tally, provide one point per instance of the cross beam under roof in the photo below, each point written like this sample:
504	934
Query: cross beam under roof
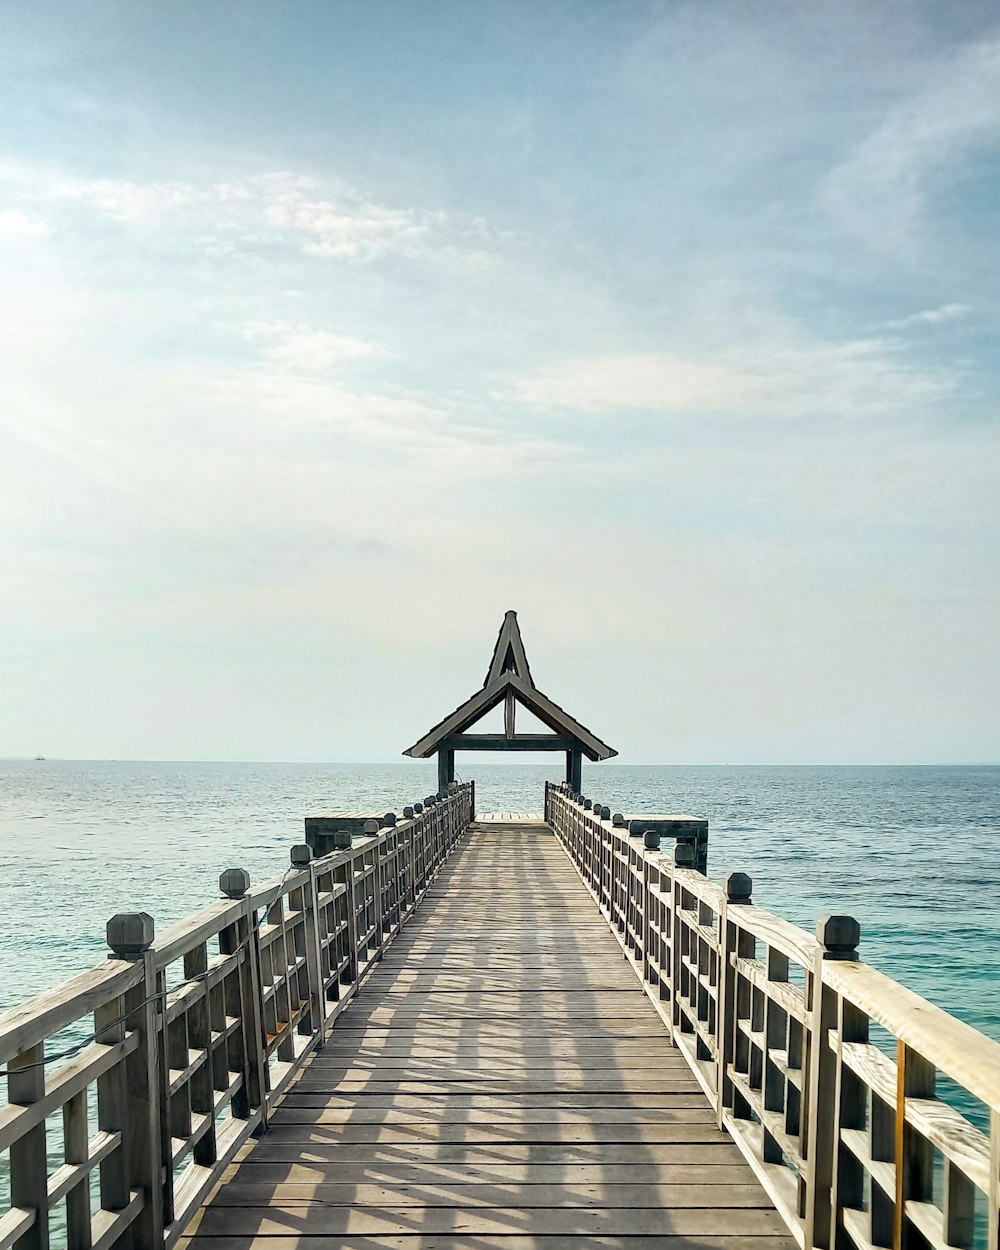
501	742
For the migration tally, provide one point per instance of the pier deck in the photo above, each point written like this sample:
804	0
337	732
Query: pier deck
500	1080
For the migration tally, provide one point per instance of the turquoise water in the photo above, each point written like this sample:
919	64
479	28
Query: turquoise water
911	852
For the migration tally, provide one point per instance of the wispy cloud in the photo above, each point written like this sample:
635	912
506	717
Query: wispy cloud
930	316
863	377
310	349
878	194
339	222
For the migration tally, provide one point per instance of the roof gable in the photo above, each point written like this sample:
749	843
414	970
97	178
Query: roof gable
508	681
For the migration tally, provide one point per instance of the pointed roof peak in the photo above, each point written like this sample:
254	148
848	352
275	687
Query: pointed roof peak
509	680
508	654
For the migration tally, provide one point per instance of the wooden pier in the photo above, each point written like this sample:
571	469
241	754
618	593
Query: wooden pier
500	1082
434	1030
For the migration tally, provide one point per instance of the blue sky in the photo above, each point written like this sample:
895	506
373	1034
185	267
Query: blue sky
331	331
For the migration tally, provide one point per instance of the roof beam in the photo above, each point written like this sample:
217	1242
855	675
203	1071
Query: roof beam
499	742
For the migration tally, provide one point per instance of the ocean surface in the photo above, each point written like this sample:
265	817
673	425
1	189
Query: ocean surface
913	853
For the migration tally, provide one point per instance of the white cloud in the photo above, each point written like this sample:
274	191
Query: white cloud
309	349
931	316
346	228
269	208
651	381
17	225
131	202
855	378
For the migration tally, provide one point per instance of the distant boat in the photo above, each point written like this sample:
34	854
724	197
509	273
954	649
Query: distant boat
39	757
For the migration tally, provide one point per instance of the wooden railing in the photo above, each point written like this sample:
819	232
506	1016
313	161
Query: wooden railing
827	1074
115	1137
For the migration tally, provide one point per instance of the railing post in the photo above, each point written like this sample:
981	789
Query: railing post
734	944
838	939
234	884
302	858
411	858
130	936
28	1155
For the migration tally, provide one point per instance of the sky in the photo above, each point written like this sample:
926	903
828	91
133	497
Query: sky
330	331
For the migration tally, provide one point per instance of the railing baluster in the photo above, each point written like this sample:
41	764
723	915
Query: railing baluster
235	884
302	858
734	943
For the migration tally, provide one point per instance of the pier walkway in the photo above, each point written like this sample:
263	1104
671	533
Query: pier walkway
500	1080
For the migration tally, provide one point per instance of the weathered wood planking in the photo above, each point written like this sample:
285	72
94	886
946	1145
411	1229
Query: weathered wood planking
501	1081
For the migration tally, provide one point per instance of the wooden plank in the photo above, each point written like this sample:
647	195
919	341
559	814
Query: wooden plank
319	1220
526	1173
430	1193
284	1129
415	1240
286	1149
615	1083
296	1113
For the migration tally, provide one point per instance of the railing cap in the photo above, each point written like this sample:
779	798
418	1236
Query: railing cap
301	854
683	855
234	882
839	936
738	887
130	933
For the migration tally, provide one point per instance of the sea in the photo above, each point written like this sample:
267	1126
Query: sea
912	852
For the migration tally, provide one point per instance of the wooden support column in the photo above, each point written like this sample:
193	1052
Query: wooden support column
446	769
574	769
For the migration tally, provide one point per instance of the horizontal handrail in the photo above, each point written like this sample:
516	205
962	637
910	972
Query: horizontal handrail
167	1058
856	1147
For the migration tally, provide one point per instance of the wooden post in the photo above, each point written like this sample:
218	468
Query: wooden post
838	939
234	883
130	936
733	944
301	857
28	1158
446	768
574	769
915	1078
847	1184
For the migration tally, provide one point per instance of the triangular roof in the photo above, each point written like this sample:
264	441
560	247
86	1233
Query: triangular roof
510	678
